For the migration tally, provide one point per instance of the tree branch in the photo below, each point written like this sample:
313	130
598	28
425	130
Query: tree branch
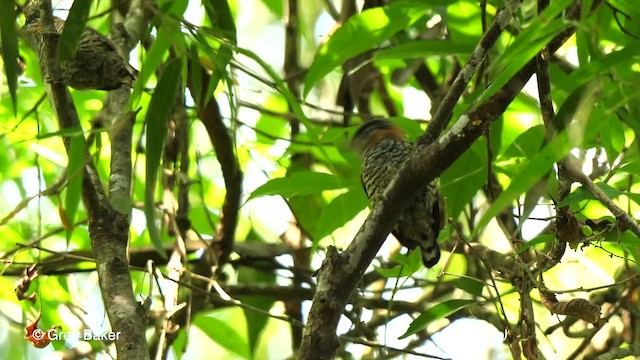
109	230
626	221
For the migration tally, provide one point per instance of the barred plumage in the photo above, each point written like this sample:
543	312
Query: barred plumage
96	65
383	149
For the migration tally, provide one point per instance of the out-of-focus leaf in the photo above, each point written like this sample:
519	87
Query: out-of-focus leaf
582	98
339	211
439	311
195	71
527	144
9	41
425	48
411	127
160	106
580	194
471	286
300	183
464	178
632	167
275	6
172	8
221	18
612	137
361	33
222	327
75	172
541	239
587	72
73	28
71	132
269	126
463	21
409	265
528	43
256	322
531	172
154	58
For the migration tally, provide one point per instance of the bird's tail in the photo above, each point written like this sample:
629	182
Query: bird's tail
429	249
430	252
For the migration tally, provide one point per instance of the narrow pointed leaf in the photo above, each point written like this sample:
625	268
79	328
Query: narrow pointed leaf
300	183
426	48
9	41
74	26
74	175
160	106
340	210
439	311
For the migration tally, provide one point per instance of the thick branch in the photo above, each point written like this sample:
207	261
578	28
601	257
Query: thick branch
109	230
115	116
224	146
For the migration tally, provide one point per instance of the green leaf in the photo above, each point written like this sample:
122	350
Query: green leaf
439	311
527	45
612	137
632	167
160	106
531	172
269	126
71	132
300	183
221	18
409	265
425	48
174	9
154	58
527	144
74	26
196	74
275	6
541	239
586	72
75	172
222	327
9	41
256	322
361	33
340	210
469	285
581	194
464	178
582	98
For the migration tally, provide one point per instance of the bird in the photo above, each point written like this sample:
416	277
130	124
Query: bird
96	65
383	149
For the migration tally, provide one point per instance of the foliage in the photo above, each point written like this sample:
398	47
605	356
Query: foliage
242	177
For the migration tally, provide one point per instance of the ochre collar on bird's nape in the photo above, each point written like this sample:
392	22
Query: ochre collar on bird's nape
373	132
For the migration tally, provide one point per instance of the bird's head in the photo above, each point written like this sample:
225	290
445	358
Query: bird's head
31	11
374	131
